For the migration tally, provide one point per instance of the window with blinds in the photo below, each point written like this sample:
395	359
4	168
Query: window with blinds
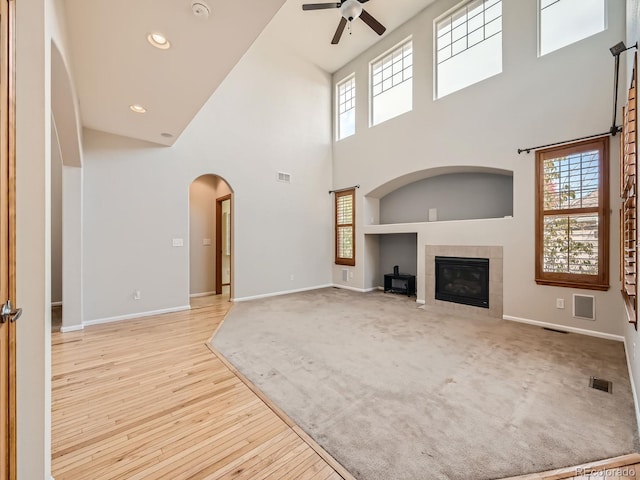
345	227
628	222
572	215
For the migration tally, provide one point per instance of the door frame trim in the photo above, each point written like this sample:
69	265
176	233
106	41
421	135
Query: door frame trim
11	153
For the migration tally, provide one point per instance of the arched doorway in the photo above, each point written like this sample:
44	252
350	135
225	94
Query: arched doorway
210	241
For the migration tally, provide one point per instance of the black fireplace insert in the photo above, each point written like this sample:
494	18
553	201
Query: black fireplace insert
463	280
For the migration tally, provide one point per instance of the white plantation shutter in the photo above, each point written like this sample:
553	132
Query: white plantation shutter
628	190
345	227
572	215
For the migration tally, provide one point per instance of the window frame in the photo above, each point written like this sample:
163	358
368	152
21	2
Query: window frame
450	14
398	46
591	282
344	193
540	8
349	78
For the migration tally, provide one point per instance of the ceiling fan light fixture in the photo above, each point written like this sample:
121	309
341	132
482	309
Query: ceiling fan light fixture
159	41
351	9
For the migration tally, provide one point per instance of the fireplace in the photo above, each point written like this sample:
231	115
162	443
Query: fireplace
462	280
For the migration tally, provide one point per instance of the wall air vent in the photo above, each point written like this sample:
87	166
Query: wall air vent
584	306
601	384
284	177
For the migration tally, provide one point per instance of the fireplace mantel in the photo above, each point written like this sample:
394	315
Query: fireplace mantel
493	253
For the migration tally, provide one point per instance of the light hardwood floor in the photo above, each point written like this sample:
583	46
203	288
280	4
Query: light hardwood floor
147	399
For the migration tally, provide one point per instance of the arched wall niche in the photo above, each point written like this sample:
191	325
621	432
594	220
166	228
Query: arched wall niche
441	194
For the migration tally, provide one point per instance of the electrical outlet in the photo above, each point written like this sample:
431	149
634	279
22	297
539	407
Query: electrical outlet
559	302
137	295
351	274
291	277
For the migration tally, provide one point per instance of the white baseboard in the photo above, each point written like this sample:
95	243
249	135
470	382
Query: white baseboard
56	304
421	302
118	318
353	289
633	385
203	294
581	331
71	328
277	294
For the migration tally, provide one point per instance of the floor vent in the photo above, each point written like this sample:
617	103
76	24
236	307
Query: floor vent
601	384
554	330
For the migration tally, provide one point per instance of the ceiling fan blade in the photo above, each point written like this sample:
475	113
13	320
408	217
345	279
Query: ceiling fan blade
375	25
320	6
338	34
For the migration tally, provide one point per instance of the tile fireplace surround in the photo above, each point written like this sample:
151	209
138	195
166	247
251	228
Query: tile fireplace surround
493	253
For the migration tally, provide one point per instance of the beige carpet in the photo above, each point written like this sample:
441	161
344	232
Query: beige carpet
395	392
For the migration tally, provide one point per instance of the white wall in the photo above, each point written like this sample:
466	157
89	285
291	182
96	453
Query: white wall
271	114
56	218
72	248
33	236
203	193
563	95
632	338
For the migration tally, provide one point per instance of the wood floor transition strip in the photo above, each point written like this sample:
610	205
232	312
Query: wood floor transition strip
625	467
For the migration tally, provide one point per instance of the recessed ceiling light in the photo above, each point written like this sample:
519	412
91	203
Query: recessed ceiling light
159	41
137	108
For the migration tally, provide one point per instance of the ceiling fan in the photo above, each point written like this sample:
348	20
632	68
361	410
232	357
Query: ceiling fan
350	10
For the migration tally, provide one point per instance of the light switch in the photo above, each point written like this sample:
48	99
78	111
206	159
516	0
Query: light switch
206	242
178	242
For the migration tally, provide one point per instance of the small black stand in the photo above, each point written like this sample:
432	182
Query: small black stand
408	287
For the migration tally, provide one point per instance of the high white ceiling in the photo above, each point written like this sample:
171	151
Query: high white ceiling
309	33
114	66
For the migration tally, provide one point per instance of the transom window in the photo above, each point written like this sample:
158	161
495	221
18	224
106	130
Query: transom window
346	107
563	22
468	45
572	215
345	227
391	83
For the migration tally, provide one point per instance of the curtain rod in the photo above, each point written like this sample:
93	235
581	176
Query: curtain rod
614	130
343	189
